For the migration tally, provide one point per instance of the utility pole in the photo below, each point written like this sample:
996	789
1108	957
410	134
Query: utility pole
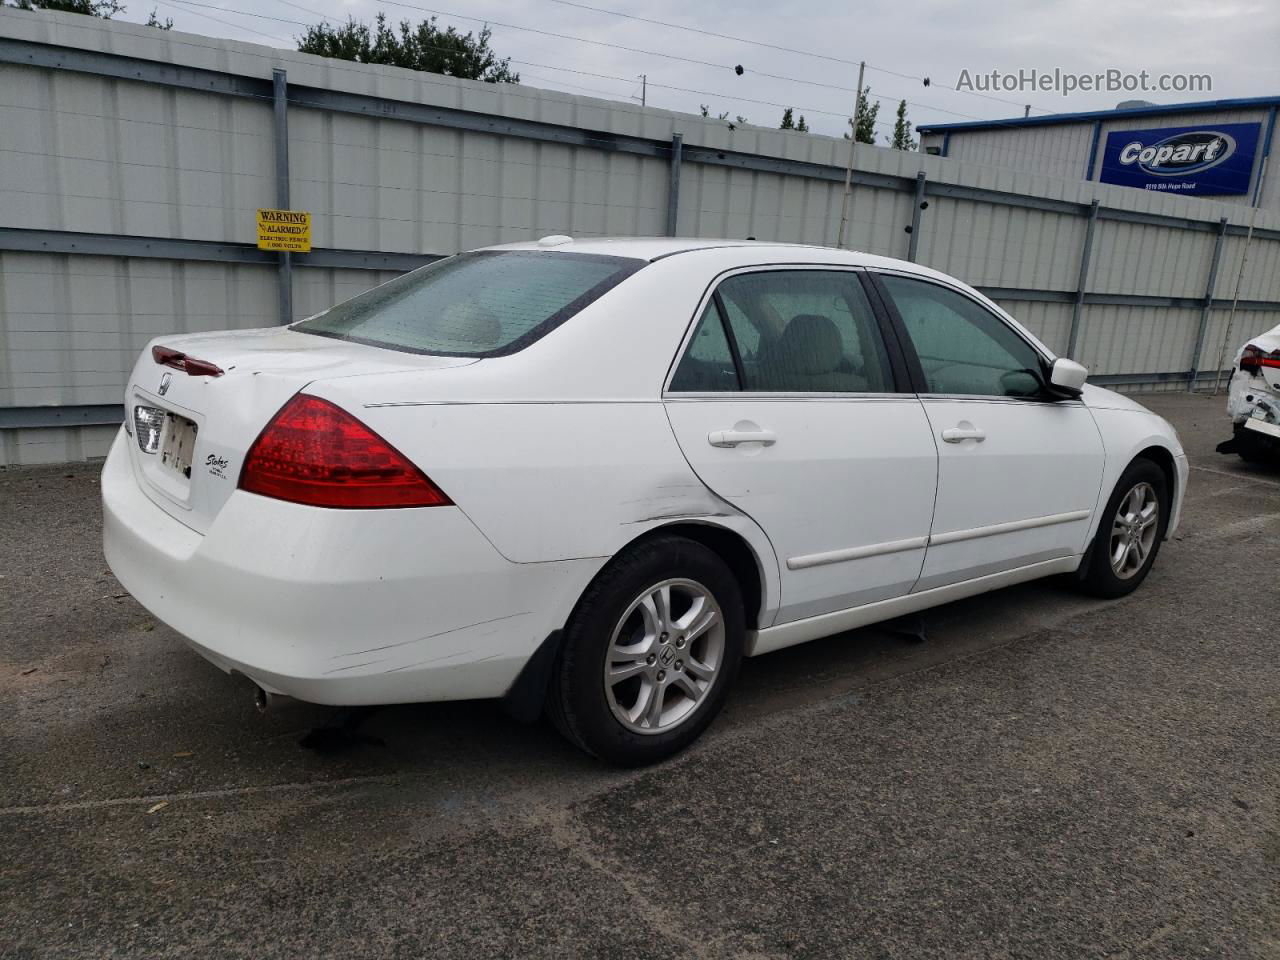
1244	259
853	143
1027	111
644	88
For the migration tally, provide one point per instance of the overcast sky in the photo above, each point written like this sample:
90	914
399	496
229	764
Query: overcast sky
1234	42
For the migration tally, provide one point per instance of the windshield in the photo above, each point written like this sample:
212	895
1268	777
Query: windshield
483	304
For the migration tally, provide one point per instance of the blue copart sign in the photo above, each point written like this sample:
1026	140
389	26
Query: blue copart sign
1209	159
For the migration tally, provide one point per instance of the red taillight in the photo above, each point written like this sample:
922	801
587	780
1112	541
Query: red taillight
316	453
1254	359
169	357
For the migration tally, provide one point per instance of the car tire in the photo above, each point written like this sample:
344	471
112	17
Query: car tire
633	684
1127	541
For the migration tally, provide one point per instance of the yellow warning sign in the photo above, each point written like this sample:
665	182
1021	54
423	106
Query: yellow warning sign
284	230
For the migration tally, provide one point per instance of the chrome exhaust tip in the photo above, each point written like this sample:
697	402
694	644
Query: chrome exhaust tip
263	699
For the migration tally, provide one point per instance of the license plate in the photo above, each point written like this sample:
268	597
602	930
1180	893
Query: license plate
179	444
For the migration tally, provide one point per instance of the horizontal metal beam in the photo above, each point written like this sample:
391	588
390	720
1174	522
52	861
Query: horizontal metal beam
709	156
1121	299
110	245
54	57
1031	296
1171	376
382	108
82	415
212	81
160	248
982	195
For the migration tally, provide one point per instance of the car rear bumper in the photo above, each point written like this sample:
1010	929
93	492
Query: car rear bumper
338	606
1257	439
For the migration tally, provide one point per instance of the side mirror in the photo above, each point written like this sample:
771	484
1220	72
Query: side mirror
1067	377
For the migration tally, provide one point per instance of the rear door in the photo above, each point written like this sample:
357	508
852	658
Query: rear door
1018	471
790	403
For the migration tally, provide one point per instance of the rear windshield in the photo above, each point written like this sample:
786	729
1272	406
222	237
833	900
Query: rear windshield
482	304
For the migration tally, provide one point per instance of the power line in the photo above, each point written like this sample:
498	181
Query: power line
235	26
815	83
541	66
314	13
655	53
773	46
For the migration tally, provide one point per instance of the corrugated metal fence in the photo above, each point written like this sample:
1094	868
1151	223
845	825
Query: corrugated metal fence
134	161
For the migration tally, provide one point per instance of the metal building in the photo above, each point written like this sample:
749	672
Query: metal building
1106	146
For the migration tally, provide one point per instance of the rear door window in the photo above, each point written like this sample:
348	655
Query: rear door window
707	365
805	331
483	304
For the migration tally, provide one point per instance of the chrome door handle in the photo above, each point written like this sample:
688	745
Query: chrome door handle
960	434
731	438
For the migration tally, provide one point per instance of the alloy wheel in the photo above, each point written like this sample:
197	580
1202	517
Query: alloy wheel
1134	530
664	656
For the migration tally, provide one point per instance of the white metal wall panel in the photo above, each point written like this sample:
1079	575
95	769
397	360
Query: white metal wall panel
1261	278
1061	150
1130	339
395	186
316	290
106	156
987	245
1050	322
1133	258
54	445
71	326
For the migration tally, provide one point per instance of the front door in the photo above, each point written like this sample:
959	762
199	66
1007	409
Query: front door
1018	472
786	404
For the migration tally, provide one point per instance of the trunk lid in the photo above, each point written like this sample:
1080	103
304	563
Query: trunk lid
204	425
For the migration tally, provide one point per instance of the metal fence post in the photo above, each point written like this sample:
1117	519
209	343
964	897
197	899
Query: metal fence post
1085	255
673	191
913	244
1209	286
280	94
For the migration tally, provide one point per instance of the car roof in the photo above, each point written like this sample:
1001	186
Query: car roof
753	251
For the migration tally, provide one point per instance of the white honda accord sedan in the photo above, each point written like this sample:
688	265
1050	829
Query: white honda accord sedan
594	475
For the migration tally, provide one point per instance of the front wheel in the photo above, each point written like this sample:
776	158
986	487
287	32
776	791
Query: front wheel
1129	536
650	652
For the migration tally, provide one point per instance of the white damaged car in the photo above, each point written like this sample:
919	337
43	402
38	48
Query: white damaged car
1253	401
595	475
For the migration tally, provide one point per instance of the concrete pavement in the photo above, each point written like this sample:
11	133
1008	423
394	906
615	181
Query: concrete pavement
1049	776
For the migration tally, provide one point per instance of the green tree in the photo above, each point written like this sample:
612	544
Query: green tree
867	113
790	123
154	21
902	130
423	47
104	9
